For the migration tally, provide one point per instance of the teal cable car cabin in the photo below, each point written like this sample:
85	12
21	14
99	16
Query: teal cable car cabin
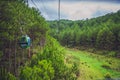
25	42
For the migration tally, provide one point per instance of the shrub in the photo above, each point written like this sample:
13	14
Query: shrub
48	64
107	66
107	76
42	71
112	53
11	77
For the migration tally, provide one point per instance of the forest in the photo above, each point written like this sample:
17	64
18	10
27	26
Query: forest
46	61
101	33
64	50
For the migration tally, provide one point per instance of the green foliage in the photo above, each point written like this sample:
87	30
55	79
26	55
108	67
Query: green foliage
106	66
54	53
48	63
101	32
112	54
25	74
90	65
42	71
4	75
1	53
105	39
17	19
11	77
107	76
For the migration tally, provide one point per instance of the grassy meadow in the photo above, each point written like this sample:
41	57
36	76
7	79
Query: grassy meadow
93	66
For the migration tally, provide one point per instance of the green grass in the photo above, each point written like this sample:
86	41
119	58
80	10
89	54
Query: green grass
94	66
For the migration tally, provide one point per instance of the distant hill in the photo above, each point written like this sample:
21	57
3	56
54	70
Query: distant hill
101	33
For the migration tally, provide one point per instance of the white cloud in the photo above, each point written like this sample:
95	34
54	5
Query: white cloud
77	10
84	10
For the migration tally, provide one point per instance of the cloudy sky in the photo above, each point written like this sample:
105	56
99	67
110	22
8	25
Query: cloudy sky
75	9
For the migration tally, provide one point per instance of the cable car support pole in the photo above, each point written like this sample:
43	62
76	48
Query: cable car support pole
58	15
59	11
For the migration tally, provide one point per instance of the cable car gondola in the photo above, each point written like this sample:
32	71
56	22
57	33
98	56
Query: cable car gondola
25	41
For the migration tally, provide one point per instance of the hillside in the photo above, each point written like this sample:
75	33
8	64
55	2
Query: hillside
94	44
101	33
93	66
30	46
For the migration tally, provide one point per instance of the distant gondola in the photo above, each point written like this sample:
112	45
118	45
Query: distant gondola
25	41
